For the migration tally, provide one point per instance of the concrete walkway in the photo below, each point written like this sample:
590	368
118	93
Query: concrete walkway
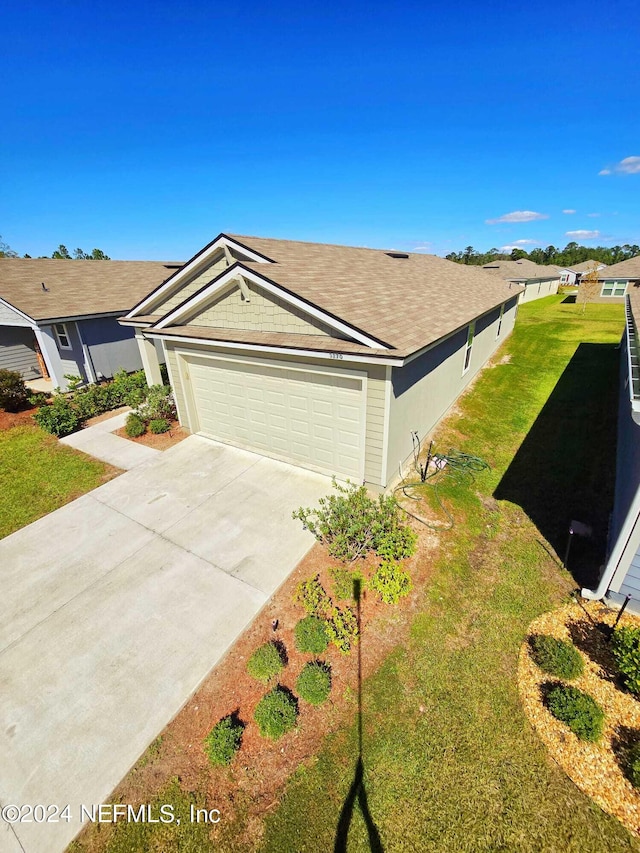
116	606
98	441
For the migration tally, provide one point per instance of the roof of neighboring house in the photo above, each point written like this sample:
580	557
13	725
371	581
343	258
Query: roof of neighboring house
405	303
586	266
625	269
77	288
522	270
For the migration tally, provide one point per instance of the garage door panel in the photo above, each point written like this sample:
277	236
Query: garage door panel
308	417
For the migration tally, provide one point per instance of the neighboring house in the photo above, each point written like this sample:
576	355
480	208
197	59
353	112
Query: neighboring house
573	275
621	573
328	357
615	281
60	316
537	280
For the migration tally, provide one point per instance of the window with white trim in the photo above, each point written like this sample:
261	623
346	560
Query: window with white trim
64	341
469	346
500	321
614	288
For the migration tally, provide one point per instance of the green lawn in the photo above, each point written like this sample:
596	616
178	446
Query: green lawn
38	475
450	762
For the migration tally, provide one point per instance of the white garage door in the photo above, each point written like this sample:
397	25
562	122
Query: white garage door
307	417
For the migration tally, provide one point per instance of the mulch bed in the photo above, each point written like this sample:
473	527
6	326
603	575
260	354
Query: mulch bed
258	773
13	419
162	441
596	768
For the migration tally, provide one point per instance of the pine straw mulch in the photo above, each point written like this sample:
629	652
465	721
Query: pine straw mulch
596	768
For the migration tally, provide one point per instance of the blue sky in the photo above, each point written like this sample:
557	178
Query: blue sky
145	129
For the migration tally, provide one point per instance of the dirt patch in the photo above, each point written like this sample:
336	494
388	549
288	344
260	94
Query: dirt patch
162	441
596	768
105	416
13	419
253	782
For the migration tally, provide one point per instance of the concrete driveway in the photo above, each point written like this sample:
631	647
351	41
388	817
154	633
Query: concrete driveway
116	606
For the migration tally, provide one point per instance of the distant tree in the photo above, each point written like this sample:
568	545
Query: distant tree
80	255
61	253
518	254
97	255
6	251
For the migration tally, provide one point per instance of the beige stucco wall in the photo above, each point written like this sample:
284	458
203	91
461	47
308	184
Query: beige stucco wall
263	312
374	435
539	290
423	390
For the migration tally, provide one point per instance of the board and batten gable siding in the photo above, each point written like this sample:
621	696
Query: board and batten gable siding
374	435
191	286
9	317
262	312
112	347
17	351
424	390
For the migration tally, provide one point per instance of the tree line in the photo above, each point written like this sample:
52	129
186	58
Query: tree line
571	254
61	253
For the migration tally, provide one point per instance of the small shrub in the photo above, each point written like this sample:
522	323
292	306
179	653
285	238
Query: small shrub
59	417
128	389
314	682
134	425
265	662
633	765
351	522
311	635
578	710
342	627
223	741
38	398
158	403
313	597
276	713
556	657
343	580
625	645
13	392
159	425
391	582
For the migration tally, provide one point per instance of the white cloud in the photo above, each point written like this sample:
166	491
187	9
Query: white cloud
518	216
627	166
422	247
583	235
569	211
593	215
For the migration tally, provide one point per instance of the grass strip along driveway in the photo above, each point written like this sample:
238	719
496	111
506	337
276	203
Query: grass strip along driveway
450	763
448	760
38	475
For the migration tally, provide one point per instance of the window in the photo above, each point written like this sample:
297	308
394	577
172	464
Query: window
64	342
469	346
614	288
500	321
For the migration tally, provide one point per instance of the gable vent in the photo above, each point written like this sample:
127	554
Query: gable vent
397	254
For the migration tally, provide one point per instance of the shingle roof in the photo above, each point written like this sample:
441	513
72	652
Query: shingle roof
625	269
77	288
522	270
405	303
586	266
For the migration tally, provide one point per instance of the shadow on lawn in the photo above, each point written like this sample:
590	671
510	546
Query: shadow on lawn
357	791
564	469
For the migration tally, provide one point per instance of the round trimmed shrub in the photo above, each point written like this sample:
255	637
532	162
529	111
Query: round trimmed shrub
223	741
578	710
311	635
159	425
265	662
314	682
276	713
556	657
625	646
59	417
134	426
13	392
391	582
